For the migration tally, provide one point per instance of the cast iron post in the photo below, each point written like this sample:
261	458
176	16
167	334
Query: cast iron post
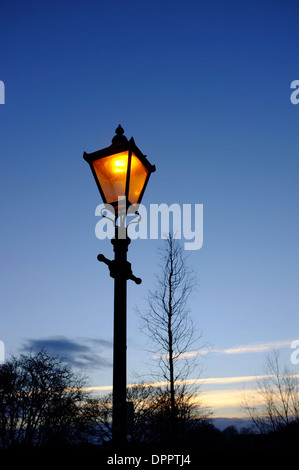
121	271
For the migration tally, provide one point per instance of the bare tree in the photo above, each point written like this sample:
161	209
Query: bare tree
142	407
40	402
169	327
278	399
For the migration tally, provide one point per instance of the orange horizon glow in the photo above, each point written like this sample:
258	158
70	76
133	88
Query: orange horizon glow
225	402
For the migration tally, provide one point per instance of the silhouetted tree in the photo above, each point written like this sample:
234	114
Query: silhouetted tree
142	407
277	408
169	327
148	415
41	402
230	431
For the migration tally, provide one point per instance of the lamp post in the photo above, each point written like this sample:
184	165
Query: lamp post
121	172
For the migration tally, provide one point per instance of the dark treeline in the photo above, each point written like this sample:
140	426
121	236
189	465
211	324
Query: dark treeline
44	405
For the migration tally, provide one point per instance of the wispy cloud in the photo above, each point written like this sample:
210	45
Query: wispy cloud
207	381
242	349
254	348
81	353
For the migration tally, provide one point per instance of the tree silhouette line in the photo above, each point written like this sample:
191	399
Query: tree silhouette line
45	404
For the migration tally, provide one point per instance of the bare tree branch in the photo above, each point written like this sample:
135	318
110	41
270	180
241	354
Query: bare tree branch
278	394
168	324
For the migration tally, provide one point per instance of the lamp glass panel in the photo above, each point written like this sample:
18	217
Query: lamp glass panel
138	177
111	172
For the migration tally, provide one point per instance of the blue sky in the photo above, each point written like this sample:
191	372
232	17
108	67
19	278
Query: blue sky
204	89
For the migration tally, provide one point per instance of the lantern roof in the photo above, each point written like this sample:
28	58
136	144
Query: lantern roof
120	143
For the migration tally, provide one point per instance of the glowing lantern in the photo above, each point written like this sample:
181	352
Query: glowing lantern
121	172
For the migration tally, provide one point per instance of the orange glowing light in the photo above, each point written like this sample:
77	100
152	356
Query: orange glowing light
121	171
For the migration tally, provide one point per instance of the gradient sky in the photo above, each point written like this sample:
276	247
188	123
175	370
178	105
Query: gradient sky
204	89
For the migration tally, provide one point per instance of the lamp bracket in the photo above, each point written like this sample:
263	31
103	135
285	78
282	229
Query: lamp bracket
119	270
122	218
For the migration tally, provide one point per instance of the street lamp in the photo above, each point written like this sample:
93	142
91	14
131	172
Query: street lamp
121	172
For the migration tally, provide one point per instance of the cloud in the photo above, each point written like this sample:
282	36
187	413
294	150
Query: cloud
204	381
243	349
253	348
82	353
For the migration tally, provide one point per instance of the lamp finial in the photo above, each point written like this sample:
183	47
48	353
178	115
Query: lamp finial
119	138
